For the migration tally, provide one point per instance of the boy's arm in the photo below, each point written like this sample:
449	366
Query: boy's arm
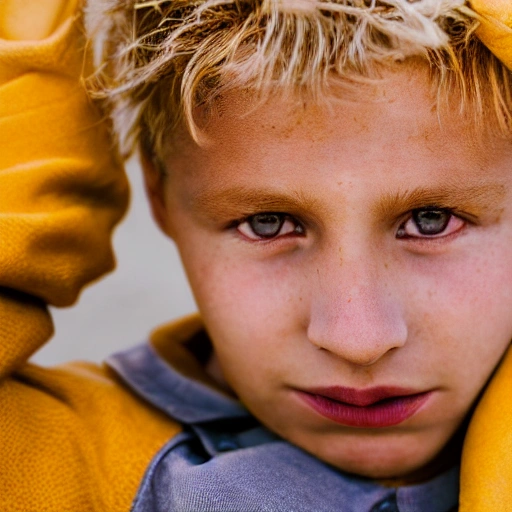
71	438
495	30
61	191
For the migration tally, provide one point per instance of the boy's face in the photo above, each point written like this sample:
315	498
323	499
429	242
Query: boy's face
353	266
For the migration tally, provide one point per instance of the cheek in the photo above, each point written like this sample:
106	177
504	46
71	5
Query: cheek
247	305
461	309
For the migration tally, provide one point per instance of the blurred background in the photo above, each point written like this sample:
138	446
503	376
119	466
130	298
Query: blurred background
148	288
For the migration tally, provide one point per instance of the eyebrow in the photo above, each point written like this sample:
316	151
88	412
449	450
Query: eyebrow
472	199
239	202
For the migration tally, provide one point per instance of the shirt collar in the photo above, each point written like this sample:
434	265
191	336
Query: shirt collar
176	384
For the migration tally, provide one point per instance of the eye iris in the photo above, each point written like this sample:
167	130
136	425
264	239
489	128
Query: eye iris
266	225
431	222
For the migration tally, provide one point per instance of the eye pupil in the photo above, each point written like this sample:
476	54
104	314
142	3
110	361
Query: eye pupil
431	222
266	225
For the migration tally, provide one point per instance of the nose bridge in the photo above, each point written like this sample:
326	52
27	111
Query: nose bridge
355	310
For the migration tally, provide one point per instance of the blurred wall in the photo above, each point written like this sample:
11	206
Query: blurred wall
148	288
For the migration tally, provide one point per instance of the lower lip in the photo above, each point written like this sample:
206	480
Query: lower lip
385	413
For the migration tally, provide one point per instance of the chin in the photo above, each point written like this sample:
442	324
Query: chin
382	460
380	468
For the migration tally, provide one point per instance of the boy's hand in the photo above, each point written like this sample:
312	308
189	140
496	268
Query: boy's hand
496	28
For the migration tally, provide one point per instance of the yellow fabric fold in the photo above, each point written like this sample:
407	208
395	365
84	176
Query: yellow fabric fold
74	439
495	29
486	472
37	19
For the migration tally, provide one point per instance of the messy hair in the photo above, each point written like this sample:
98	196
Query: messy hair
161	59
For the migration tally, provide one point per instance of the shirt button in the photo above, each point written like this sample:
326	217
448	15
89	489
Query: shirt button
386	505
226	444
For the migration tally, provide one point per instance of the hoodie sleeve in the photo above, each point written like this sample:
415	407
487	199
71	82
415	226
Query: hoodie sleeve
72	438
61	188
495	30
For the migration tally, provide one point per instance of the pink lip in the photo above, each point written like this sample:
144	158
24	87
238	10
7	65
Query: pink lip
366	408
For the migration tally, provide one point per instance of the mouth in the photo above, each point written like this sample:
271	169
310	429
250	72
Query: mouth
371	408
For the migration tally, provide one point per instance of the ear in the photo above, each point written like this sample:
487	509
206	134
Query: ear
154	182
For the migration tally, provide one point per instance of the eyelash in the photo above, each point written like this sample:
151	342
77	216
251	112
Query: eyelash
299	229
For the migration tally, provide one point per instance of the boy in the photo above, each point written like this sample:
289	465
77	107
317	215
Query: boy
342	213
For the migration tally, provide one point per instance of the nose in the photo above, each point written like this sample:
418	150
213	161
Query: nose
355	314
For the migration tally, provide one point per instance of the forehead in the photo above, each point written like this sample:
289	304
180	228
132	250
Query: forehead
391	125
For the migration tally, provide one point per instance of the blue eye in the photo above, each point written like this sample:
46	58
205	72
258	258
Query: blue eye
269	225
266	225
430	223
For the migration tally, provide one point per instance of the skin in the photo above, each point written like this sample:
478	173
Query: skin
338	298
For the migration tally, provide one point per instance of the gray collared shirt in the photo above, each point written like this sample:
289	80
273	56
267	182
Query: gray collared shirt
225	461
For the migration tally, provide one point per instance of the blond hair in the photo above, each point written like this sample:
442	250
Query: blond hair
161	59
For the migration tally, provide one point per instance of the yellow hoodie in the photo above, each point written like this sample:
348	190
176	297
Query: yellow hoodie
496	27
74	438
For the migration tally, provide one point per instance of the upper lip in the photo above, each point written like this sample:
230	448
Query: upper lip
361	397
